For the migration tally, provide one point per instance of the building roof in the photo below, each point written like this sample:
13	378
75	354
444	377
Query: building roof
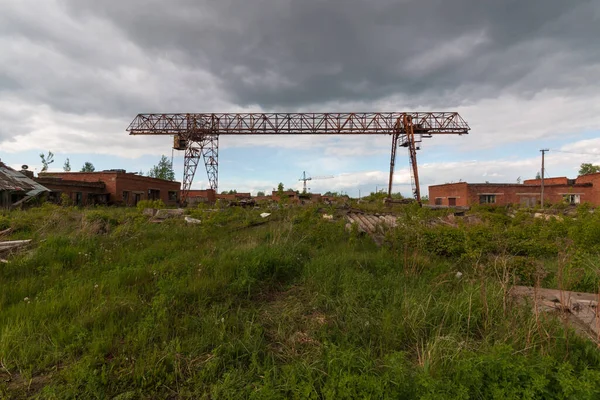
15	181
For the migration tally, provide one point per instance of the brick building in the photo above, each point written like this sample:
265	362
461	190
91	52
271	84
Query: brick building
201	196
17	188
584	189
114	187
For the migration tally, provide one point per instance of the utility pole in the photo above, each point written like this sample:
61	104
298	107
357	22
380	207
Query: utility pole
543	154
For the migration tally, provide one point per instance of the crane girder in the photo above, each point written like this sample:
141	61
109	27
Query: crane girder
198	133
296	123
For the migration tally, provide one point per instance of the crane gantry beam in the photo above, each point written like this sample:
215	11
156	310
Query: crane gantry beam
198	133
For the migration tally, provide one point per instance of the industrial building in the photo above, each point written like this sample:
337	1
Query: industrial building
115	187
583	189
17	188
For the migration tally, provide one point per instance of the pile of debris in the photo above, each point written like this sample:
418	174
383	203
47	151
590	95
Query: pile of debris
8	247
374	225
580	308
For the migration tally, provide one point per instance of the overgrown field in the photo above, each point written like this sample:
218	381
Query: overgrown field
108	305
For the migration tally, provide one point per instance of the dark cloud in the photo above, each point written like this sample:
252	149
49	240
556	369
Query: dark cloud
112	59
294	53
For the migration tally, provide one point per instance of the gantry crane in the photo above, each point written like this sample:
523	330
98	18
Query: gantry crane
198	134
305	179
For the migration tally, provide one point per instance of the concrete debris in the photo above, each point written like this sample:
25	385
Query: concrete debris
582	308
265	215
150	212
548	217
372	223
8	247
169	213
328	217
191	220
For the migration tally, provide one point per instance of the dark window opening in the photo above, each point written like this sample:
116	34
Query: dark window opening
438	201
172	195
451	201
487	199
125	197
153	194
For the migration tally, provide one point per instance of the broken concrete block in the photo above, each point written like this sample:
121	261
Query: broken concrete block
191	220
169	213
150	212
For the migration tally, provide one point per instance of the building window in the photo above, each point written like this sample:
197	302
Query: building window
438	201
487	199
153	194
172	195
78	198
125	197
572	198
452	201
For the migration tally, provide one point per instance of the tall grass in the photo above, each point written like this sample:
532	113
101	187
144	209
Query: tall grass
107	304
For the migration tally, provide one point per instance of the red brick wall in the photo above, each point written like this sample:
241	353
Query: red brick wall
71	188
117	182
207	193
454	190
469	194
547	181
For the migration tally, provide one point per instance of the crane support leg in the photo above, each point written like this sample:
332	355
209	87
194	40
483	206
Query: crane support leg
412	153
207	147
395	137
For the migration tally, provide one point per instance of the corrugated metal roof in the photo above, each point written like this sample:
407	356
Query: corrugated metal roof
15	181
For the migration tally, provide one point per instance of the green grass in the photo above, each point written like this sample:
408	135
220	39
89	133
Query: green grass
108	305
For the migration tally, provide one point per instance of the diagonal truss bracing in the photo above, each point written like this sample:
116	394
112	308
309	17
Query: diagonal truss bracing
198	133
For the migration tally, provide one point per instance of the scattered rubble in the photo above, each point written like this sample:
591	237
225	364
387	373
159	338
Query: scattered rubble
11	246
547	217
191	220
582	308
163	214
264	215
374	225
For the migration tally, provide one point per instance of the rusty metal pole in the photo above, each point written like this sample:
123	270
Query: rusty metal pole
412	149
392	162
542	186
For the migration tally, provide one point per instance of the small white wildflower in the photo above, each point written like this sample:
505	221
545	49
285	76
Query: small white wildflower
459	275
222	320
26	299
96	286
367	323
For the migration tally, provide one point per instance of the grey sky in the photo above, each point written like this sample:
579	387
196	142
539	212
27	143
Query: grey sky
69	64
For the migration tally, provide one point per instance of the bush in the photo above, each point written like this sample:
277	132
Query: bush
150	204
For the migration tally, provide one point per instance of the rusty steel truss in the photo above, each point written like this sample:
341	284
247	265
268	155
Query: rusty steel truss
198	134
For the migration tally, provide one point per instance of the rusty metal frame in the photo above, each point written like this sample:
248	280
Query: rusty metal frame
200	132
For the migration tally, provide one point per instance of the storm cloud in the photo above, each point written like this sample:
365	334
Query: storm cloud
67	65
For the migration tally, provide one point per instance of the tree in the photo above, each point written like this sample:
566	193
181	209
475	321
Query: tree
261	193
538	176
46	160
67	166
164	170
280	187
588	168
88	167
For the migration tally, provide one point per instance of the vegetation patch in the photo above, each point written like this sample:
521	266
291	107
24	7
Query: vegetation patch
106	304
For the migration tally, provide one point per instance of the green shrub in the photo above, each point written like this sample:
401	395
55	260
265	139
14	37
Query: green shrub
141	205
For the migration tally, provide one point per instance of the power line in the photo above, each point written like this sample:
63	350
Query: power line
575	152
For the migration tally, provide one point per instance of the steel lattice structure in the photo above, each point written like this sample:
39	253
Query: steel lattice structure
198	134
